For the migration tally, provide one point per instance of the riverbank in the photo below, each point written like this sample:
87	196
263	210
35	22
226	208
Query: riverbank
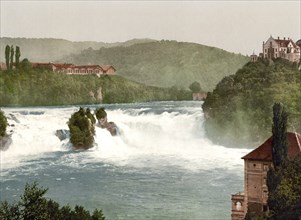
38	87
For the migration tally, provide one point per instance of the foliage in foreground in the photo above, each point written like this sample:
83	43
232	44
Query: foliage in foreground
284	178
82	128
34	206
238	110
3	124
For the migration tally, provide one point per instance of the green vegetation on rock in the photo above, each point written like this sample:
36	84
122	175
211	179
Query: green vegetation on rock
100	113
3	124
82	129
165	63
29	86
238	110
34	206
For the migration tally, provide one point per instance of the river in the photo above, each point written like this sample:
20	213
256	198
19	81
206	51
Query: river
160	167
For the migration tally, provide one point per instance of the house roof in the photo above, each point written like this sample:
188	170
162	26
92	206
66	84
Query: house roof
284	43
88	67
62	65
106	67
264	151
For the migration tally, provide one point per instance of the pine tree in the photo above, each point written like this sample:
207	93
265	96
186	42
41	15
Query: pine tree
279	142
17	58
279	154
12	52
7	53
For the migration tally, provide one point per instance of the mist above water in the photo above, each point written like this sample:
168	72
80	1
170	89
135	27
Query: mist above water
148	135
161	166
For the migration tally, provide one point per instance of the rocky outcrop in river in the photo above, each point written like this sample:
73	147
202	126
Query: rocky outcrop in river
101	116
5	142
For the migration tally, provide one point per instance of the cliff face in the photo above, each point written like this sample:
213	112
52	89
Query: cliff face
239	110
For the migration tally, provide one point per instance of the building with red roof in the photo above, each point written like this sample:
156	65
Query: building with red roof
69	68
257	163
284	48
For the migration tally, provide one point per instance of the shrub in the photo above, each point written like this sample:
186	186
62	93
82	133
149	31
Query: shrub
81	125
3	124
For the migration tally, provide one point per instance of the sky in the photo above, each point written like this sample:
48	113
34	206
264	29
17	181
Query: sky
235	26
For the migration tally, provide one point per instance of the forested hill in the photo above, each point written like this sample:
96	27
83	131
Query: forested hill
239	110
28	86
166	63
51	49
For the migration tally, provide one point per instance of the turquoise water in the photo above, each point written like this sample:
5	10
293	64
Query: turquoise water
162	166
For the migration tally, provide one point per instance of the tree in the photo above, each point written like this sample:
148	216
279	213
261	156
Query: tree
34	206
284	179
285	200
7	54
18	54
195	87
12	52
25	65
279	141
33	203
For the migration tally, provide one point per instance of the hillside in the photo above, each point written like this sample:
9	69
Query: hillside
50	49
239	110
40	87
166	63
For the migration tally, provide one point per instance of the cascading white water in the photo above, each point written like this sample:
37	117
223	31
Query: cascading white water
161	158
173	136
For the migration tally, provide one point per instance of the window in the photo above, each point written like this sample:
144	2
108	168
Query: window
238	206
265	167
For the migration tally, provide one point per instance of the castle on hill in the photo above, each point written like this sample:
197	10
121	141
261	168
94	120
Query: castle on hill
284	48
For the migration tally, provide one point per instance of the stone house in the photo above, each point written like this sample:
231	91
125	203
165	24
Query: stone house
199	96
284	48
256	164
3	66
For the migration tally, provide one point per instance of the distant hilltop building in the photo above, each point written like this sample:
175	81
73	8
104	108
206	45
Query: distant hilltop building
279	48
69	68
257	163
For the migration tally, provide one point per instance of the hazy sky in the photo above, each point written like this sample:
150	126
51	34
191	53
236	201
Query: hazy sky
236	26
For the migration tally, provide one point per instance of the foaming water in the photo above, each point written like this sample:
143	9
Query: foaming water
161	166
152	132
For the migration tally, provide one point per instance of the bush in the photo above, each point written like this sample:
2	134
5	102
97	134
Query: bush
34	206
82	130
3	124
100	113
